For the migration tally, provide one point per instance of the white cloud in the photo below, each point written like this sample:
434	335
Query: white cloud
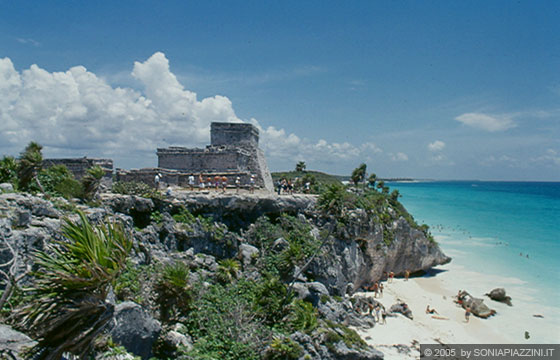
437	145
551	156
400	156
80	111
491	123
77	113
28	41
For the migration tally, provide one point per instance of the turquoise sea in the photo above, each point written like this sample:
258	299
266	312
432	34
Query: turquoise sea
505	228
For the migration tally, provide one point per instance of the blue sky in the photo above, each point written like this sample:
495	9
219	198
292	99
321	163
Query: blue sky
427	89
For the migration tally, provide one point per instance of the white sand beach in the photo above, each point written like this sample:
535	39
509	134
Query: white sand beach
507	326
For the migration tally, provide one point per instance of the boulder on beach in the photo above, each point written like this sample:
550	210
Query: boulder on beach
401	308
476	305
499	294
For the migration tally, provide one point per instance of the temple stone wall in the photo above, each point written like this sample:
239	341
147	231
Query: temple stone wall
203	160
234	134
79	166
233	152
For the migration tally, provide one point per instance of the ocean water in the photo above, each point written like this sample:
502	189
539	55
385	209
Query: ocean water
511	229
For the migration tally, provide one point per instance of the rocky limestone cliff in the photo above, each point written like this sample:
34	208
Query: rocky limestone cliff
356	254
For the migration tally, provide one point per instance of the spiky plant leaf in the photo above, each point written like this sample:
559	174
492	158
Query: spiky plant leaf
68	308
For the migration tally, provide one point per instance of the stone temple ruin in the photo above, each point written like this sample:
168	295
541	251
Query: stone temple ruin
79	166
233	152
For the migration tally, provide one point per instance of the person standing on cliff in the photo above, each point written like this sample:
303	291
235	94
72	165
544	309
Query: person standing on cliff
157	178
406	275
217	182
252	183
191	182
224	183
201	182
237	184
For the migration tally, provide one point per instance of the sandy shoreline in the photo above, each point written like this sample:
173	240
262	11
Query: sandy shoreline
508	326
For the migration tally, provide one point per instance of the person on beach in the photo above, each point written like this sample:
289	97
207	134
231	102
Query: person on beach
391	276
467	314
375	289
406	275
383	316
377	309
370	311
381	290
431	311
385	276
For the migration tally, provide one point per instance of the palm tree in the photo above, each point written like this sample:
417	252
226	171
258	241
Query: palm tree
67	309
359	174
30	163
300	166
371	180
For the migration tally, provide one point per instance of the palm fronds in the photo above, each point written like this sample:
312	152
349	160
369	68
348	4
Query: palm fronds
68	307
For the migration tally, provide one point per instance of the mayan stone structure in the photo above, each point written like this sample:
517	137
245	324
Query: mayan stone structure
233	151
79	166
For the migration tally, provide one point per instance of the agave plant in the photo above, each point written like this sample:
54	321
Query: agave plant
228	270
68	308
174	295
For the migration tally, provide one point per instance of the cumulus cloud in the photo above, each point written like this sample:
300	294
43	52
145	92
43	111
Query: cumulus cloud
76	113
400	156
491	123
551	156
78	110
437	145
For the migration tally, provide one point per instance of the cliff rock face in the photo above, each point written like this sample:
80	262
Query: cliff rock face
359	253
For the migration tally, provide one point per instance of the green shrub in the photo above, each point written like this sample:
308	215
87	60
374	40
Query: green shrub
228	270
301	244
225	324
133	188
128	286
272	298
350	337
302	317
156	217
69	188
30	162
174	295
283	348
8	170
